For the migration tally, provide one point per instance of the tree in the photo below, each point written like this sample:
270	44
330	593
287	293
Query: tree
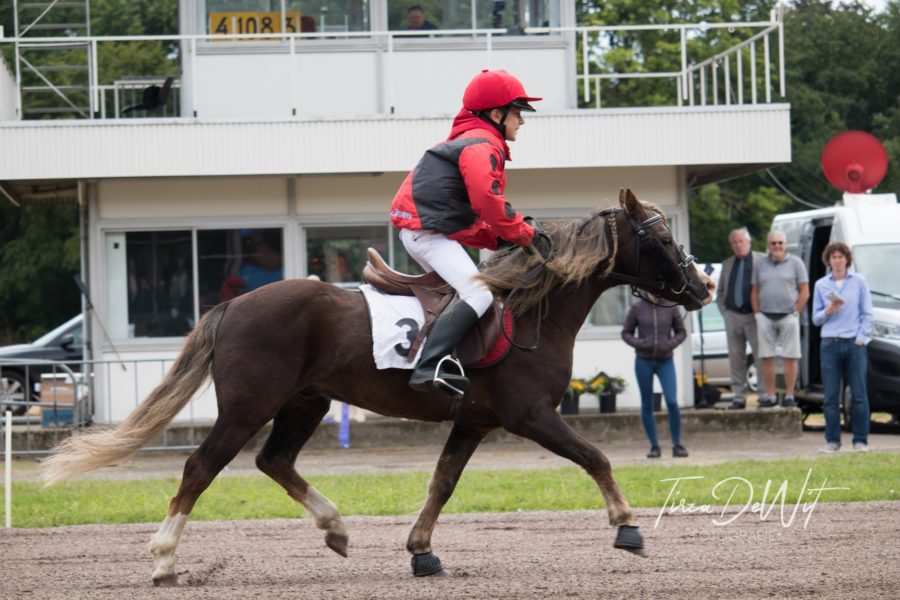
39	245
39	255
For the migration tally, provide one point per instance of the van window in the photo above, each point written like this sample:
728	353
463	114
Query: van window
877	263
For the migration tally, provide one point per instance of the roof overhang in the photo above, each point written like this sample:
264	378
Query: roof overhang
41	160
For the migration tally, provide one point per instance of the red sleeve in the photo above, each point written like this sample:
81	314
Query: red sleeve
481	166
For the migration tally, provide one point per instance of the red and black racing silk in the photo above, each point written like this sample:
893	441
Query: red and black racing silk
457	189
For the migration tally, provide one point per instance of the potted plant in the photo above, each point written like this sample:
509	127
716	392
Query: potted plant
569	404
606	388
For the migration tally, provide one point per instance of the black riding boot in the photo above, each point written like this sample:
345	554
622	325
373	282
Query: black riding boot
430	373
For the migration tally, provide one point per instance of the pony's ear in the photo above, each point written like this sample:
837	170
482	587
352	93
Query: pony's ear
628	200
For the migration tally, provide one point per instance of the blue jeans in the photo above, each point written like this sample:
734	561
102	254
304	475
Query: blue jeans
644	369
837	357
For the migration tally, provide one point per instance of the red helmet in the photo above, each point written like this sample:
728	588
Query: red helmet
493	89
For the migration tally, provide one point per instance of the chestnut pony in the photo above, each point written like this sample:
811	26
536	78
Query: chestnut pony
282	352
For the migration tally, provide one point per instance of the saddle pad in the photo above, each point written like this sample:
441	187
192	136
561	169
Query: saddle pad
396	321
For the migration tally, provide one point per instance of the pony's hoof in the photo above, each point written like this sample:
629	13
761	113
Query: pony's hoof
629	538
337	542
426	564
166	580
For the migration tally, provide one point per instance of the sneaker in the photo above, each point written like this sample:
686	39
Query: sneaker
654	452
789	402
860	447
737	406
830	448
678	451
767	403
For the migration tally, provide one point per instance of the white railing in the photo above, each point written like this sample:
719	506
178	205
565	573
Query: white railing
127	92
691	80
189	43
698	83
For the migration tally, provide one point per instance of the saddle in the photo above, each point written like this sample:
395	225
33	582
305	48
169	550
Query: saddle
435	294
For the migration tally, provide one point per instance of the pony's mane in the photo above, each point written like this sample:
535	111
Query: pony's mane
581	249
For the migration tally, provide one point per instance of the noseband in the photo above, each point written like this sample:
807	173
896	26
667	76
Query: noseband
640	230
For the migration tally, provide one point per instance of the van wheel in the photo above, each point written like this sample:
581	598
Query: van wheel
847	410
752	375
13	388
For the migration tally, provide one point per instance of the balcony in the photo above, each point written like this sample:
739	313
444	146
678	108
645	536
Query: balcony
329	102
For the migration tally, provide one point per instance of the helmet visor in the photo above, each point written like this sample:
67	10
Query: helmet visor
523	104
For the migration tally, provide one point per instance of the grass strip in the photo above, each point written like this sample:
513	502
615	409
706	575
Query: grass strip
866	477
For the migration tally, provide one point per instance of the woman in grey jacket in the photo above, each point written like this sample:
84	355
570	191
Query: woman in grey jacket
659	330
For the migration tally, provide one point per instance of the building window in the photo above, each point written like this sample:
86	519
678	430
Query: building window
514	15
611	309
338	254
231	262
160	283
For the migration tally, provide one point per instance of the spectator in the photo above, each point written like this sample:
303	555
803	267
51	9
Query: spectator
735	306
780	290
416	17
660	330
842	306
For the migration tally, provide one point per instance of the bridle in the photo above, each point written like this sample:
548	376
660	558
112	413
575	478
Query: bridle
640	230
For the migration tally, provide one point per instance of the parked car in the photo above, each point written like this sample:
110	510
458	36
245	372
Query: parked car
710	352
19	379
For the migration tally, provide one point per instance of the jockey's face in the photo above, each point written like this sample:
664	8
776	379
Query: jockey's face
512	122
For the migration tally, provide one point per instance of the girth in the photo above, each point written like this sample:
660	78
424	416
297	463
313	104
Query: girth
434	294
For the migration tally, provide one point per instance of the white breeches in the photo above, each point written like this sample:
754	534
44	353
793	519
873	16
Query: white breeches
435	252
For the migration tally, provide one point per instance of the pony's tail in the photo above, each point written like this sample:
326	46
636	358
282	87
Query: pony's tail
82	453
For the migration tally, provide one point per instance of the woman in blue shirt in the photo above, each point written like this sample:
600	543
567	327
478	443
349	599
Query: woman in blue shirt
842	306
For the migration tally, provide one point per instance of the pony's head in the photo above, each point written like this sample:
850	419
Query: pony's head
648	257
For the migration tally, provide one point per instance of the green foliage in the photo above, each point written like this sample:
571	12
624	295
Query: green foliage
842	64
866	477
39	255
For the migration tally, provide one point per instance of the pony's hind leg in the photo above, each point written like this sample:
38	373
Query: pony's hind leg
223	443
457	451
292	427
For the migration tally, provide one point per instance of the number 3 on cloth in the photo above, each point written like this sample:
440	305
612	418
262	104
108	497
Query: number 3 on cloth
412	330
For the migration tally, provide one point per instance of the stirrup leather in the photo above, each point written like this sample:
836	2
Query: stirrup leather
446	385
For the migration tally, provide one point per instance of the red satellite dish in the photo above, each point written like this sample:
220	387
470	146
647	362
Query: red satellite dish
854	161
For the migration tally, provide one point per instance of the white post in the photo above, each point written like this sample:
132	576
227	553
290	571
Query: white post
8	477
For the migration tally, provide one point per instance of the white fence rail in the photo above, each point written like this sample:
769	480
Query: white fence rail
709	81
729	77
68	400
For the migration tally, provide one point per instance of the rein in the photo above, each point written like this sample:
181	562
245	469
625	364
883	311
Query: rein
541	268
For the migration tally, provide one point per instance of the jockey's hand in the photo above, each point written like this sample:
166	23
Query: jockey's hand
542	244
505	245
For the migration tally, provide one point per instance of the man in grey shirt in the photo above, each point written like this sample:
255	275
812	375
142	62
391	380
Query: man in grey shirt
780	289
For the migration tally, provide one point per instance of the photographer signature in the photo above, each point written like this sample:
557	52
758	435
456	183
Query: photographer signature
742	490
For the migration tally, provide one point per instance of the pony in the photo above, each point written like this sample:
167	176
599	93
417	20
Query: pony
282	352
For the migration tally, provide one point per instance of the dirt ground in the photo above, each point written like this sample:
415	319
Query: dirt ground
846	551
824	550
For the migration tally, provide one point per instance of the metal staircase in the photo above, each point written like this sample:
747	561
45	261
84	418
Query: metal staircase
53	58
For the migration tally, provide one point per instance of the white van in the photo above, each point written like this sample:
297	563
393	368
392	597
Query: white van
870	225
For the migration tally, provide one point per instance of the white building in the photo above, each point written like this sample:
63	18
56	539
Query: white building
280	156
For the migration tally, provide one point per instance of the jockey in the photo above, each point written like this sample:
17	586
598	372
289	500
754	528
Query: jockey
454	198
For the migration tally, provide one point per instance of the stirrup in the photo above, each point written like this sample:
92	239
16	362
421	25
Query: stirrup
460	386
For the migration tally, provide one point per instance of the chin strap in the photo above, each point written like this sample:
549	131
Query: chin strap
485	115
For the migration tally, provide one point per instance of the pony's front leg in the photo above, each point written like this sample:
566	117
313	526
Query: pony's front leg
547	428
456	453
